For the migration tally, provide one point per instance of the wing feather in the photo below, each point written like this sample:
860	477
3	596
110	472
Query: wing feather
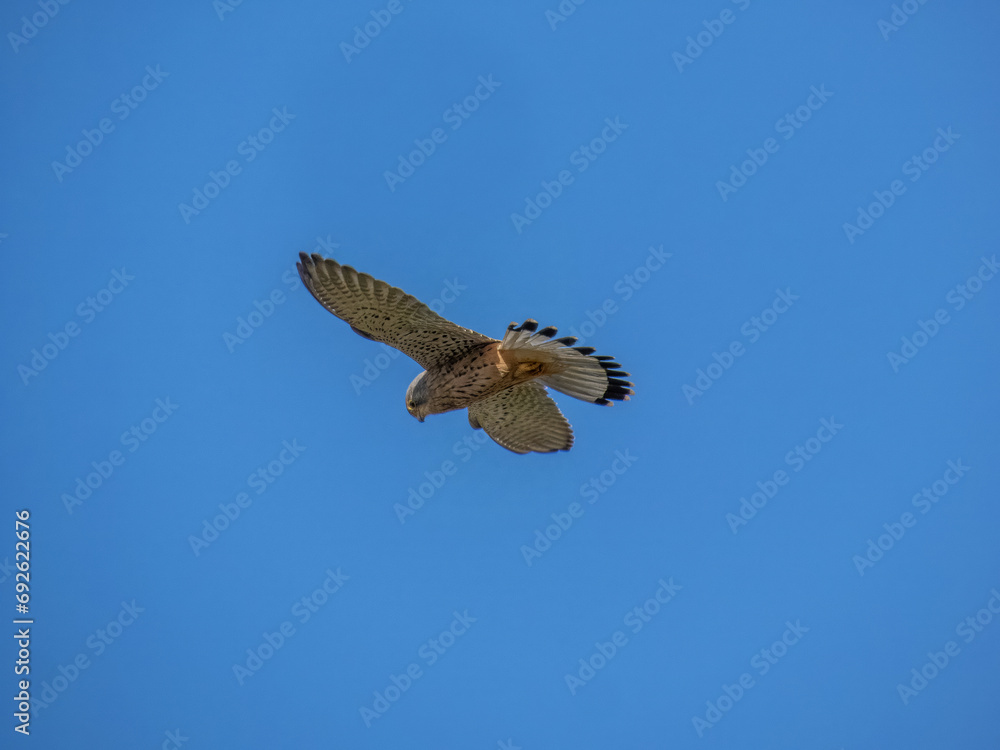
386	313
523	419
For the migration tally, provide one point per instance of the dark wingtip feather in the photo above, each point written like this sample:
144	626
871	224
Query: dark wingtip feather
618	393
528	325
549	331
586	350
305	267
567	340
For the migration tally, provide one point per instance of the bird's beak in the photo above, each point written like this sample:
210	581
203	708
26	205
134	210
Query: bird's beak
420	419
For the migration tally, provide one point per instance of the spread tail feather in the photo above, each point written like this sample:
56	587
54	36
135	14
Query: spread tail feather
574	371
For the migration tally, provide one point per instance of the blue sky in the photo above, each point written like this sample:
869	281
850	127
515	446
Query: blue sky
779	217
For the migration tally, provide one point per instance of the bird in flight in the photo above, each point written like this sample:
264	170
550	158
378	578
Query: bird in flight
501	382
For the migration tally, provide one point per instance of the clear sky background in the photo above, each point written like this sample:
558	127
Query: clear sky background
781	218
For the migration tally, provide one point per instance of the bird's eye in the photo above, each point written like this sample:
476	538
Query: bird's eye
413	404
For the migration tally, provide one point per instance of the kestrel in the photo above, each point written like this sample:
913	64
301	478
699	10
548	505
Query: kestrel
501	382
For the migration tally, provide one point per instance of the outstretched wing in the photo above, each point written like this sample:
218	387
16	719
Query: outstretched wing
523	419
386	313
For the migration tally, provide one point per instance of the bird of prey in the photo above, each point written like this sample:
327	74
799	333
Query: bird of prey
501	382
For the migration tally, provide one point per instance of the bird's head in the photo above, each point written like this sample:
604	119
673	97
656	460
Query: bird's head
417	397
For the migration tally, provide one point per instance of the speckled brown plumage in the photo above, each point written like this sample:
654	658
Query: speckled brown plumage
386	313
501	382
